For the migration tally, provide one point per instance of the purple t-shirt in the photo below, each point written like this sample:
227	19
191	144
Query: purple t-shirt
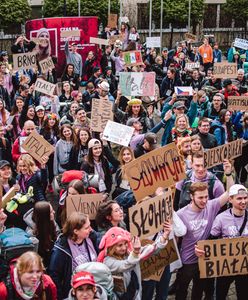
228	225
218	188
198	225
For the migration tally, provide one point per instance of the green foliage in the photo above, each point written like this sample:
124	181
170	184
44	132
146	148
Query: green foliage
13	12
237	9
97	8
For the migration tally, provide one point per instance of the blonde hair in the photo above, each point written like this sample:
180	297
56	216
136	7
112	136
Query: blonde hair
182	116
28	162
26	262
180	142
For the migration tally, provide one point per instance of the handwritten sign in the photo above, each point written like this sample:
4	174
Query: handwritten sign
112	20
137	83
46	64
160	167
68	33
191	66
147	217
133	58
37	146
101	113
87	204
158	261
225	70
190	36
44	87
114	38
215	156
99	41
118	133
24	60
153	42
240	43
224	257
238	102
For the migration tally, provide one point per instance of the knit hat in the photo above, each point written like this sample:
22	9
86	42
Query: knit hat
112	237
94	142
104	86
134	102
40	31
242	56
82	278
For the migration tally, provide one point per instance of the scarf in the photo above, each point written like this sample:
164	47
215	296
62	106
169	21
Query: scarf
25	293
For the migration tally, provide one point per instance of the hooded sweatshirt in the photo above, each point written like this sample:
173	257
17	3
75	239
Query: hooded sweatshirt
61	156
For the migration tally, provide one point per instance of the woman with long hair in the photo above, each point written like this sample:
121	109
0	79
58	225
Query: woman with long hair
43	45
16	112
109	214
96	163
45	232
75	246
66	92
126	155
50	132
196	145
70	76
39	117
80	149
222	128
27	113
27	280
63	148
70	116
181	128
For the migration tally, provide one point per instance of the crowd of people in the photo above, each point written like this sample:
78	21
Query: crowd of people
78	258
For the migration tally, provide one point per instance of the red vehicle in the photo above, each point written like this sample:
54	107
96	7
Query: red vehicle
52	28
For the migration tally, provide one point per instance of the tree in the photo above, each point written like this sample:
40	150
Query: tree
238	10
13	12
88	8
176	13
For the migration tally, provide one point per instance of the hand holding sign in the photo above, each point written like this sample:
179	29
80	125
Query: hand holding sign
199	252
167	230
136	244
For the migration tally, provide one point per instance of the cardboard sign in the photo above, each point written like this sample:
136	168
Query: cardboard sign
147	217
24	60
87	204
114	38
101	113
215	156
112	20
118	133
153	42
133	58
184	90
37	146
137	83
157	262
240	43
224	257
238	102
8	196
44	87
190	36
191	66
157	275
67	33
99	41
225	70
46	64
160	167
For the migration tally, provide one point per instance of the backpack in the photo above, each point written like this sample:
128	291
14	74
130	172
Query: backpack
102	276
185	194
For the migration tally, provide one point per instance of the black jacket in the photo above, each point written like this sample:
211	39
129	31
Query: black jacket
75	162
27	47
208	140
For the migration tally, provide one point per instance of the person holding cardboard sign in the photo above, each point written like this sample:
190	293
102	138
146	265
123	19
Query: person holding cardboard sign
229	224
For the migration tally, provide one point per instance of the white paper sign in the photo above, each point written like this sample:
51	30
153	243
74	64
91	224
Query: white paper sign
191	66
10	120
99	41
118	133
153	42
240	43
22	139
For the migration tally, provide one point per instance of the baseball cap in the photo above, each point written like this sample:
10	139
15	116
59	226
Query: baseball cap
94	142
165	49
236	189
131	121
151	139
4	163
104	86
39	107
82	278
178	104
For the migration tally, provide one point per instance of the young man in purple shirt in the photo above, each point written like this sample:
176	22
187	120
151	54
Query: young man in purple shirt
198	217
229	224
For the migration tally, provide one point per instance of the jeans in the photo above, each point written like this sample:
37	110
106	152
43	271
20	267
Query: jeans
223	284
191	272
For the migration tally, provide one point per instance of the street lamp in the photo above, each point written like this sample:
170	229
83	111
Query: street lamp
189	16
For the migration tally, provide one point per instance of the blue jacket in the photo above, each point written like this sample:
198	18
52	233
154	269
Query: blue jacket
217	55
191	114
238	127
169	85
60	268
219	132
